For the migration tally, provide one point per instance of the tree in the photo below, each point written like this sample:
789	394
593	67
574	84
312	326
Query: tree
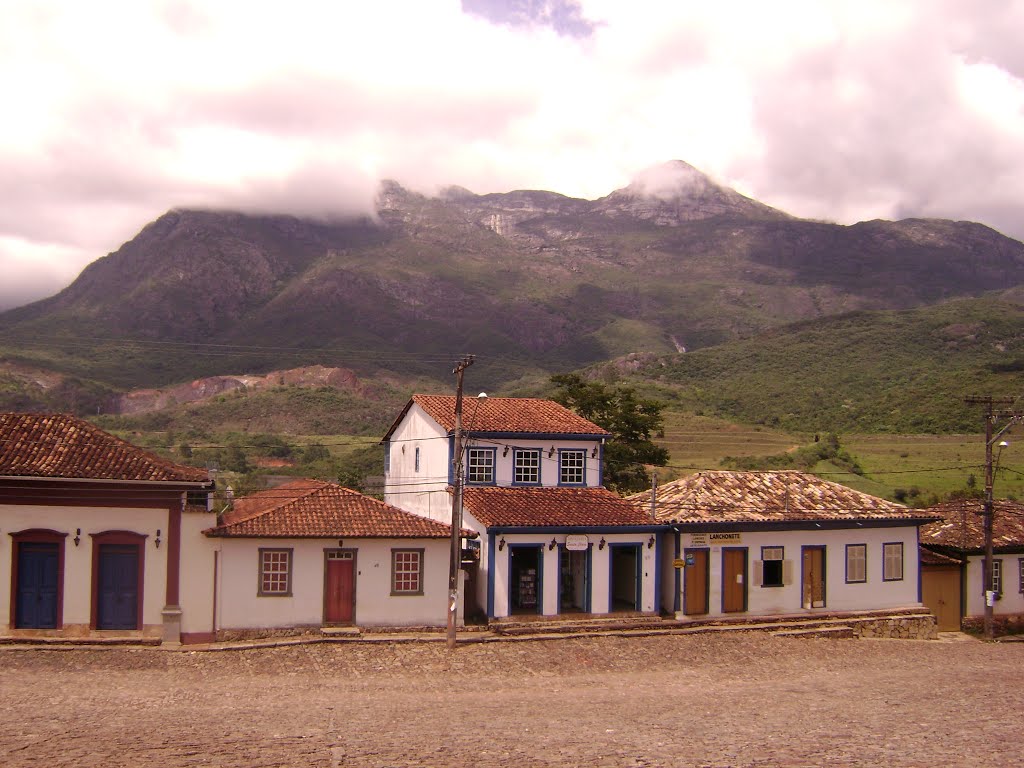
631	421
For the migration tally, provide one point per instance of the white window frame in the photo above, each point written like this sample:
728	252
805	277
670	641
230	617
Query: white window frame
477	460
891	562
997	577
580	469
275	572
773	554
856	566
530	469
406	572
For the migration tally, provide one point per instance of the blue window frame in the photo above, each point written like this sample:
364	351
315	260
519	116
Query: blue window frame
480	466
526	466
417	459
572	467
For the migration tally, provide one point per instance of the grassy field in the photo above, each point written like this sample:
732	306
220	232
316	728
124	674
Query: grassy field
913	466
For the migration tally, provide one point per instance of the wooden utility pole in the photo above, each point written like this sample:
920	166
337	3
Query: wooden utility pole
988	509
455	562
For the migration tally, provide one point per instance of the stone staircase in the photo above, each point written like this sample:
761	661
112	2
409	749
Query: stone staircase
908	623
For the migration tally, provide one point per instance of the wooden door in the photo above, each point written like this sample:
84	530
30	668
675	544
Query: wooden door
36	590
940	592
339	587
734	579
813	577
695	582
118	603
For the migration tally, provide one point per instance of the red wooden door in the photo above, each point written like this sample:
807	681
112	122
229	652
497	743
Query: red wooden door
340	588
734	577
695	582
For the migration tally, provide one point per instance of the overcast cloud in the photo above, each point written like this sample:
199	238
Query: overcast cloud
115	112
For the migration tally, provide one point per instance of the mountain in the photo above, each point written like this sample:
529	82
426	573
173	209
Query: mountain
530	281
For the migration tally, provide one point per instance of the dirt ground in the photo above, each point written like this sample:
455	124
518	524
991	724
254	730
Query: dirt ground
741	699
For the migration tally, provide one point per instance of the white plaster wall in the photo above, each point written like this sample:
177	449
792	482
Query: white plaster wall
1012	600
839	596
423	493
196	576
504	466
78	560
240	607
599	574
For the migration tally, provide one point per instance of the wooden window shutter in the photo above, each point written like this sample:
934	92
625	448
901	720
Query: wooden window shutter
787	572
758	573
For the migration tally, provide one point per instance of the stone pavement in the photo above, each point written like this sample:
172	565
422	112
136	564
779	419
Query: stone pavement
736	699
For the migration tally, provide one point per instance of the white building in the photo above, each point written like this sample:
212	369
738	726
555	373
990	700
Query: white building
97	534
310	554
552	539
954	586
771	543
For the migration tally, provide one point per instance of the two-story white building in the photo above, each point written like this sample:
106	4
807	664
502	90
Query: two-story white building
784	542
552	539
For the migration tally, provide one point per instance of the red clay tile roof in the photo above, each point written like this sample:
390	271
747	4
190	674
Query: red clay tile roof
506	414
927	557
554	507
316	509
962	525
783	496
62	446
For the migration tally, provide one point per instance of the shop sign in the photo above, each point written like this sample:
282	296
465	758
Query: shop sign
576	542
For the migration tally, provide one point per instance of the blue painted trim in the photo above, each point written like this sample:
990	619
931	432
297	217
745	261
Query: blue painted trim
918	550
490	574
589	599
657	573
793	525
588	529
562	451
676	607
494	466
600	465
451	460
539	554
540	467
588	578
387	457
638	591
538	435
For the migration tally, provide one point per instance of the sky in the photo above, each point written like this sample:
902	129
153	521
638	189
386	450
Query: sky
115	112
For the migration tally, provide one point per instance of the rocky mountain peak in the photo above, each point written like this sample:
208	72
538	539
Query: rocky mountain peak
673	192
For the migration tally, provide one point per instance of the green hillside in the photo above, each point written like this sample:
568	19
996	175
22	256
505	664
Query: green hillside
891	371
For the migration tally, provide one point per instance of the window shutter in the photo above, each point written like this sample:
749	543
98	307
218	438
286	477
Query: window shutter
787	572
758	573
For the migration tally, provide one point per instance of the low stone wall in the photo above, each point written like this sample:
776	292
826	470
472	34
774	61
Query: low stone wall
237	635
897	627
1002	624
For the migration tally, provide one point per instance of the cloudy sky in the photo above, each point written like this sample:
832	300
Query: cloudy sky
115	112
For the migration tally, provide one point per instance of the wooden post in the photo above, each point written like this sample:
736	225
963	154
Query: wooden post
455	561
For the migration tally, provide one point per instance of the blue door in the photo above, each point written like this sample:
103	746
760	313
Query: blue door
118	604
36	606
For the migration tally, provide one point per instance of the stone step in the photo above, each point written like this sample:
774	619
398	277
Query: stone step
836	631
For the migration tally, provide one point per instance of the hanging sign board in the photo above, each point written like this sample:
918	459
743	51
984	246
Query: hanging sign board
697	540
576	542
